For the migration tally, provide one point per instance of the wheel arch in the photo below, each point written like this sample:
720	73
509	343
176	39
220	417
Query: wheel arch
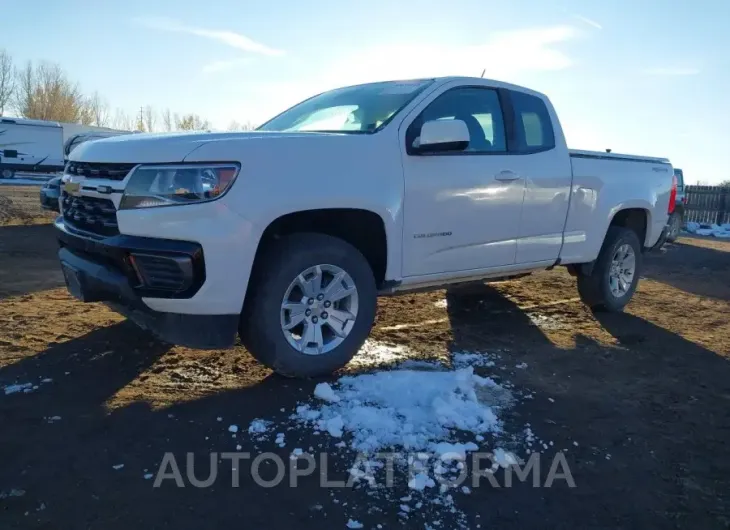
363	229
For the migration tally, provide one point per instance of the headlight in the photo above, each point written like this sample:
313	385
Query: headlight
168	185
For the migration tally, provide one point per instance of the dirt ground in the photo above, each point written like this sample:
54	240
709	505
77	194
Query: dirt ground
640	401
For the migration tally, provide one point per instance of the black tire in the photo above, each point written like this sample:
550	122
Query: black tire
675	226
594	289
260	327
7	173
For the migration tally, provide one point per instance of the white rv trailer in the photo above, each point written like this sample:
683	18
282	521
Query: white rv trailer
36	146
30	146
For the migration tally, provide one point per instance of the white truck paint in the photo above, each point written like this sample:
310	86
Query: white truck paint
487	188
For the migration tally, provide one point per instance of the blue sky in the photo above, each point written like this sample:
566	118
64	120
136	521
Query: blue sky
645	76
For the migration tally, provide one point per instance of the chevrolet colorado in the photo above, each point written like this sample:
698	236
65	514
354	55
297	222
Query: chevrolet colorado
286	235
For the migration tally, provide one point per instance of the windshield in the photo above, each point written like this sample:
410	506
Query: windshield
356	109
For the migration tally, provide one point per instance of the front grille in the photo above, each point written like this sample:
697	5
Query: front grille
90	214
162	272
99	170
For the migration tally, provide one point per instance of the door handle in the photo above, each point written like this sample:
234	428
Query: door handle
506	175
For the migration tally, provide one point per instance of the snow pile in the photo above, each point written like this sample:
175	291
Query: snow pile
413	410
704	229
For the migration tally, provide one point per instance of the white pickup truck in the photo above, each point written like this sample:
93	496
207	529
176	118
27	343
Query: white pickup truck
286	235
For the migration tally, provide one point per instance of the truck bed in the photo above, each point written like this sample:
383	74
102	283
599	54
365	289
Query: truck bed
602	155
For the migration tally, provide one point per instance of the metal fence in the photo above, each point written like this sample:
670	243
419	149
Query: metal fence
707	204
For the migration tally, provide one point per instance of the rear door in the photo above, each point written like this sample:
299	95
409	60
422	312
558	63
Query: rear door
462	209
541	158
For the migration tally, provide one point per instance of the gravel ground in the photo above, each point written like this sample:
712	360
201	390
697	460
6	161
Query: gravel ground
637	403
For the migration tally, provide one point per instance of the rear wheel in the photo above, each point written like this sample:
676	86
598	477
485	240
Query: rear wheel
7	173
614	277
311	307
675	225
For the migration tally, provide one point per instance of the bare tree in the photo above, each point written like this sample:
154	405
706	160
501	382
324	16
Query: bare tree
98	109
236	126
191	122
122	120
45	93
149	118
167	122
7	80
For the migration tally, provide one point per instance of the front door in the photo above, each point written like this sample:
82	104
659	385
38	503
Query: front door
462	209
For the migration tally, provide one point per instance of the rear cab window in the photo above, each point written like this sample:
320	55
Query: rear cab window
533	127
680	179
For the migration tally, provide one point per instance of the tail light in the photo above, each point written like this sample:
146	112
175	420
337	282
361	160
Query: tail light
673	195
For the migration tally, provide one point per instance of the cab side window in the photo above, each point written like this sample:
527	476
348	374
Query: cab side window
479	108
533	127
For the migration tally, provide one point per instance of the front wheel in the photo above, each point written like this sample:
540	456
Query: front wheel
311	307
7	173
614	277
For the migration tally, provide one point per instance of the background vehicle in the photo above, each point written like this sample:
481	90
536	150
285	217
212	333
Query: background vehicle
288	234
30	146
74	139
677	219
50	193
36	146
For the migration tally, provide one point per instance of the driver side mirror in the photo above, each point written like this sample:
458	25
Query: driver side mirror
438	136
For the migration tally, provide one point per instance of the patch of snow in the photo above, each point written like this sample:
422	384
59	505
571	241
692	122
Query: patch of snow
453	451
148	476
521	366
705	229
280	439
406	408
12	493
259	426
22	387
354	524
503	458
441	304
118	467
464	359
421	481
324	392
233	428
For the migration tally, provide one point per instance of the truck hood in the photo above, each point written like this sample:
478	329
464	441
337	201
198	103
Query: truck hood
145	148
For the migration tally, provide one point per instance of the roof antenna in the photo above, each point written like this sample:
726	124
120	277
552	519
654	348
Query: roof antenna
483	72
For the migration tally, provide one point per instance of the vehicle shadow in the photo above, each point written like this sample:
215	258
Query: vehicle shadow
654	402
29	261
692	268
645	413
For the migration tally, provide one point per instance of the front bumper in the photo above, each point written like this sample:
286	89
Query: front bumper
122	270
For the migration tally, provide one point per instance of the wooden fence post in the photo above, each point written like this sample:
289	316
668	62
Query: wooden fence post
722	207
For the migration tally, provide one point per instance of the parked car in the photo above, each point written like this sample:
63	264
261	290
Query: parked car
677	220
286	235
50	193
